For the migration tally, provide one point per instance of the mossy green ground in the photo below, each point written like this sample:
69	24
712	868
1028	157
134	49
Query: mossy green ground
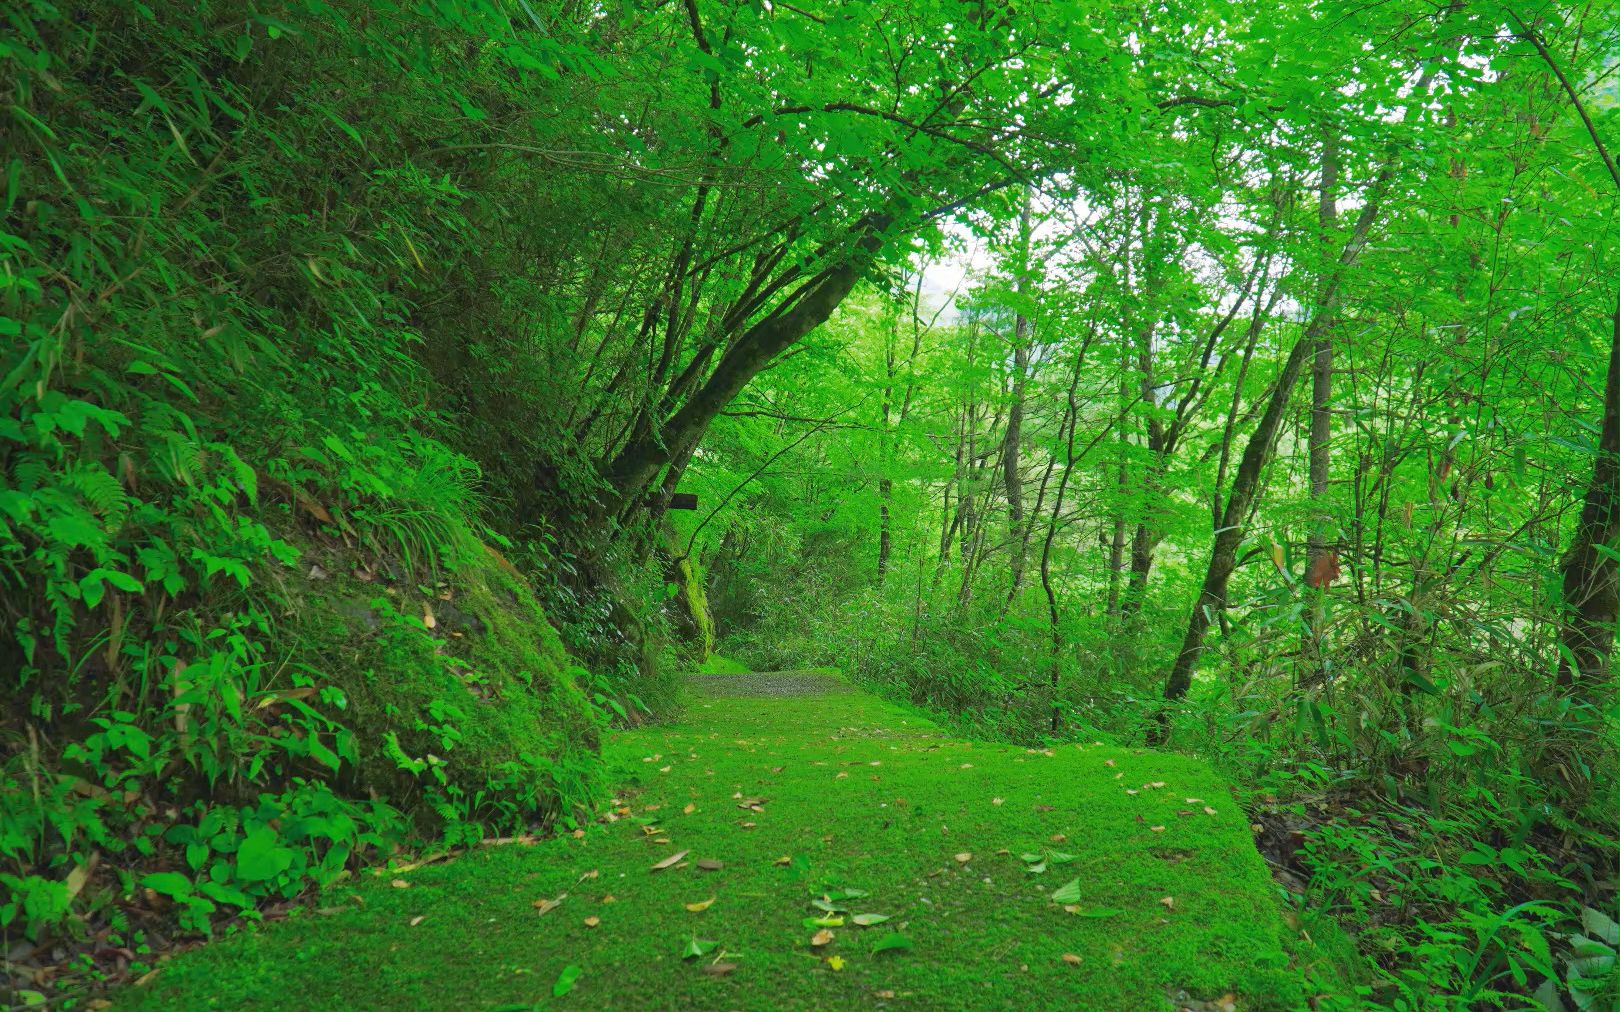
857	794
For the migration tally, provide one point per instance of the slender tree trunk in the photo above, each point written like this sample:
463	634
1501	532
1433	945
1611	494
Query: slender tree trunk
1321	432
1012	474
1071	421
1116	546
885	484
885	493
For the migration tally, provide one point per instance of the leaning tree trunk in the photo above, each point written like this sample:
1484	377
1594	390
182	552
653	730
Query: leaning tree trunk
638	463
1223	557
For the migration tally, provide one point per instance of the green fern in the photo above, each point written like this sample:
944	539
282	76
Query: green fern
100	490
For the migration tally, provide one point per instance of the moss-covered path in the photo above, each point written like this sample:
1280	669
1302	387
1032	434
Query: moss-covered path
765	810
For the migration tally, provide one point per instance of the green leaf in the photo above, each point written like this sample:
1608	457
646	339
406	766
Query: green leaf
1067	893
168	883
894	941
844	894
261	856
698	947
343	124
565	980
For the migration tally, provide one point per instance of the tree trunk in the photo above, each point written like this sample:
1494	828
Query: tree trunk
1012	476
1591	597
1071	421
1589	576
638	463
1321	430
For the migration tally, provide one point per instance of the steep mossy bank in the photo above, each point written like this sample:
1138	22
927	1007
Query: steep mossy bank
254	631
466	710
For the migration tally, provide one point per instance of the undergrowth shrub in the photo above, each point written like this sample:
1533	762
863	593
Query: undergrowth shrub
217	237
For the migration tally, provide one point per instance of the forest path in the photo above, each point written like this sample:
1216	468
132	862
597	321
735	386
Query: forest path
748	844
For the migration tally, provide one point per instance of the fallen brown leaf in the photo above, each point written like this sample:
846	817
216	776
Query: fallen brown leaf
689	809
820	938
702	905
719	969
1169	902
546	906
592	921
1072	959
964	857
709	864
670	860
400	883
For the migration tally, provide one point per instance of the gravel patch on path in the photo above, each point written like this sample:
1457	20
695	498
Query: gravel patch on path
770	683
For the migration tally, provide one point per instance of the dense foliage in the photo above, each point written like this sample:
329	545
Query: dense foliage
1242	381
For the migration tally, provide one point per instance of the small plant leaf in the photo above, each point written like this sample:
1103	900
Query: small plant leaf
565	980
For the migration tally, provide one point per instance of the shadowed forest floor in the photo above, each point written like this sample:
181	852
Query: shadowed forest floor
783	808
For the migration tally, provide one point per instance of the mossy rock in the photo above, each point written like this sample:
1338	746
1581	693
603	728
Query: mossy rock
463	703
